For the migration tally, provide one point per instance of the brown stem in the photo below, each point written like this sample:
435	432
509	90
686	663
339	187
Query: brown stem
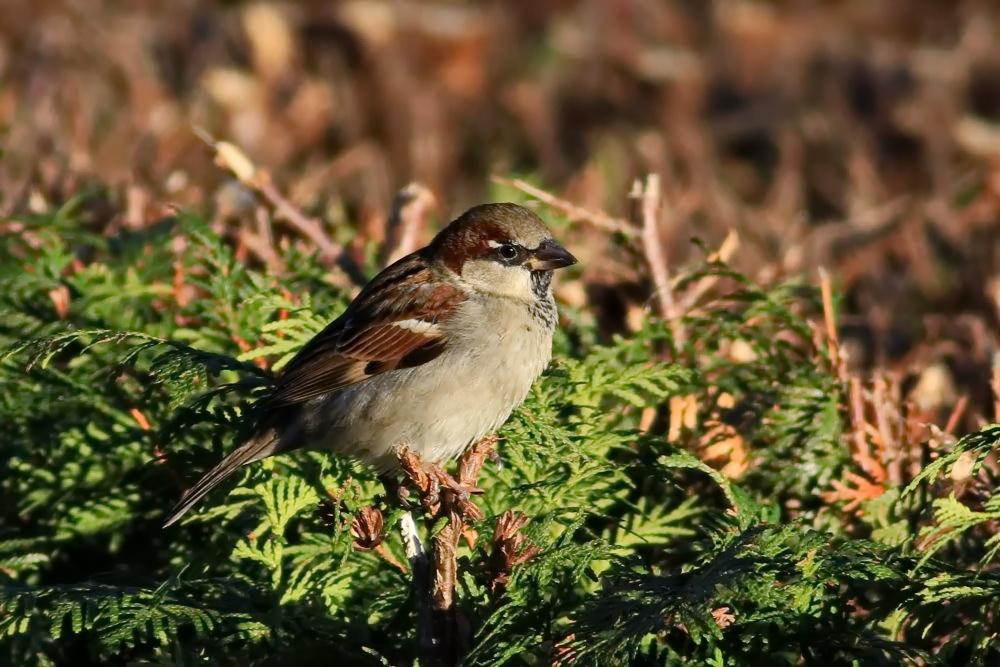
406	222
458	509
444	634
650	196
258	180
598	219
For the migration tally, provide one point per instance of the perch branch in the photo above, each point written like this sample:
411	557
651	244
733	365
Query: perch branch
444	635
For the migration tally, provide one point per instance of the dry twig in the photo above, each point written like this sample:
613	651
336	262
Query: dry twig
457	507
650	197
258	180
444	635
575	213
510	549
829	320
406	221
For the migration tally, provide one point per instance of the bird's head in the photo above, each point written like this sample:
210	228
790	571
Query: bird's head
502	249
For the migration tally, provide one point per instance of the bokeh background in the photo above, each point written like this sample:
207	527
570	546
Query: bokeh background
860	136
847	145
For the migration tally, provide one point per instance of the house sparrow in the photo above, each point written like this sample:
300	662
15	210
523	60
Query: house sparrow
432	355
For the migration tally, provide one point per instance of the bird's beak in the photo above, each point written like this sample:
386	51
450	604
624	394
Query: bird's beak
548	256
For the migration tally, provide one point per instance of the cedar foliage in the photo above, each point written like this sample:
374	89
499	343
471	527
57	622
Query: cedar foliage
646	553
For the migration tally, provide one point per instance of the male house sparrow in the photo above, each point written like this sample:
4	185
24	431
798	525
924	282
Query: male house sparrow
432	355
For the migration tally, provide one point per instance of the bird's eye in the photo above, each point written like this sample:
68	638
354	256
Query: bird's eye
508	251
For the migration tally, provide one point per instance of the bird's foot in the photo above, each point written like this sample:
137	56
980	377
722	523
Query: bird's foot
425	483
414	468
472	461
446	481
439	490
457	494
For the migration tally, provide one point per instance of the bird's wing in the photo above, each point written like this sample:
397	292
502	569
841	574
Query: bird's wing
394	323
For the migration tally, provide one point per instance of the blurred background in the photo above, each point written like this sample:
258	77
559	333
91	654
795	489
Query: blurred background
862	136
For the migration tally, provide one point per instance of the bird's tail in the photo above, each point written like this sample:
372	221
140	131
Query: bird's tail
260	446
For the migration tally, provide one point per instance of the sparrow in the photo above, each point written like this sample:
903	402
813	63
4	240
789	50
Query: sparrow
433	354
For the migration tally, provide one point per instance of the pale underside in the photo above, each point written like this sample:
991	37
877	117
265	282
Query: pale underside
440	408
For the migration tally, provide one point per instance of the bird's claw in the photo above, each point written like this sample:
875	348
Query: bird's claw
446	481
438	489
458	494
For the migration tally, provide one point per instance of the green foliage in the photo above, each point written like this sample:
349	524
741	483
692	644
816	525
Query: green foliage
646	554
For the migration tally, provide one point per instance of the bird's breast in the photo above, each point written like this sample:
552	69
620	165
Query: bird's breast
494	353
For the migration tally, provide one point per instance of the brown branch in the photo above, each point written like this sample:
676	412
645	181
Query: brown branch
859	429
261	242
956	414
446	541
258	180
510	549
829	320
650	197
407	220
575	213
444	634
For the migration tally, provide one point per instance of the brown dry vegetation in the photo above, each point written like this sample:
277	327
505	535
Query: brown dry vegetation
862	137
851	135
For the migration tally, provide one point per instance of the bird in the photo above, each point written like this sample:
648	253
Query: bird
433	354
